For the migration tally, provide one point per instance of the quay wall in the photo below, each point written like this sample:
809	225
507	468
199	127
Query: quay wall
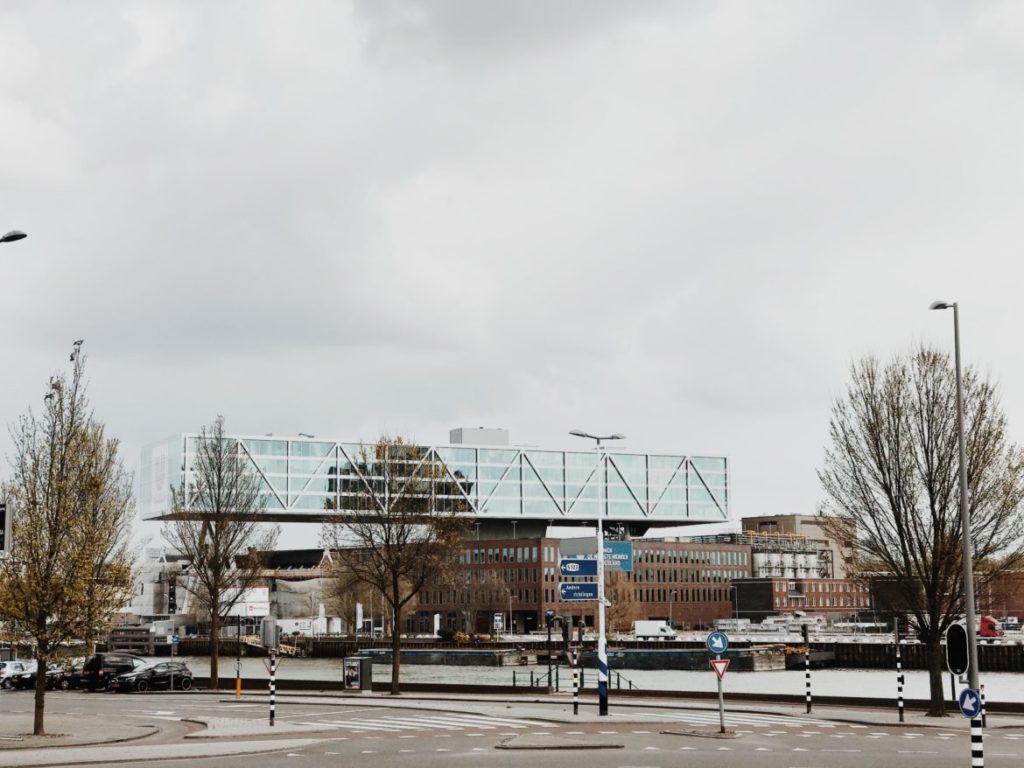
849	655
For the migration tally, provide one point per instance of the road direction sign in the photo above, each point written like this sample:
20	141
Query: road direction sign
957	659
578	591
578	566
618	555
720	666
970	703
717	642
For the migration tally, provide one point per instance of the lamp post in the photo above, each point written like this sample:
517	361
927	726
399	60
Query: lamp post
602	646
965	515
671	600
12	236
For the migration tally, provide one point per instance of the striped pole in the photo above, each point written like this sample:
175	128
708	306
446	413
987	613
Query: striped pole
273	683
981	690
807	665
899	681
977	745
576	683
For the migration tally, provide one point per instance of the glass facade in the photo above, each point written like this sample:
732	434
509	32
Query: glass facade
316	479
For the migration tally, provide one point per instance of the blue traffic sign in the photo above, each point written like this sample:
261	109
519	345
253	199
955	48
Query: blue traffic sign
578	591
577	567
717	642
970	703
618	555
175	639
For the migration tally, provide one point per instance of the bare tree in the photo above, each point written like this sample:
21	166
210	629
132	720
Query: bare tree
891	475
218	528
624	608
398	528
70	569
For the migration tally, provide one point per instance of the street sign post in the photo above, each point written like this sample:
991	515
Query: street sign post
970	703
569	592
578	566
957	655
717	643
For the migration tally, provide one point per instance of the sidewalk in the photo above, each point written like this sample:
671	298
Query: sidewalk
65	730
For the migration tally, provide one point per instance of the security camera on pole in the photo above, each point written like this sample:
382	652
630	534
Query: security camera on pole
602	646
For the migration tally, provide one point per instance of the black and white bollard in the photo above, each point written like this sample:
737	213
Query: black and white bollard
981	692
977	744
807	665
576	684
273	683
899	681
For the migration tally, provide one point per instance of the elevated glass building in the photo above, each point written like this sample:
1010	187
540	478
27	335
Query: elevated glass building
313	480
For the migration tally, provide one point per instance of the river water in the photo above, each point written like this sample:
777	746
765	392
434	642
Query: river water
999	686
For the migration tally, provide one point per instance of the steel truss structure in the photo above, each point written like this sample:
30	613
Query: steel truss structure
311	480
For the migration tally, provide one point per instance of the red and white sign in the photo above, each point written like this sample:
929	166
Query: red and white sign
720	666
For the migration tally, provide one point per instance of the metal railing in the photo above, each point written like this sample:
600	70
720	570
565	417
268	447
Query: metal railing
538	680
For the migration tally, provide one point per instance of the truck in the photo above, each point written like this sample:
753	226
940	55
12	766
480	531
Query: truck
989	627
652	630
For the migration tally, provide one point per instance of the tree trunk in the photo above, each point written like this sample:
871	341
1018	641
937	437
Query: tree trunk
937	702
38	728
214	646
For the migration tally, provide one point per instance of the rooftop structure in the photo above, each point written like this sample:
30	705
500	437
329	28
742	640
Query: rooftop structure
312	480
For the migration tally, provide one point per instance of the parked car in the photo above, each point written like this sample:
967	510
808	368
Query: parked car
27	680
11	669
72	676
160	674
100	668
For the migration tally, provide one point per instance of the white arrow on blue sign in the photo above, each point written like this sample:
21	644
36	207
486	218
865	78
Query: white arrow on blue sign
577	567
717	642
970	703
578	591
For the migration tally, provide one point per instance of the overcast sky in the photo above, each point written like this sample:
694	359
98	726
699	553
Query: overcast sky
679	221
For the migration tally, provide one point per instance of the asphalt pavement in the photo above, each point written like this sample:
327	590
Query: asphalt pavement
137	728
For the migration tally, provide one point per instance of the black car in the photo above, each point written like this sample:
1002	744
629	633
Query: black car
100	668
160	674
72	676
27	680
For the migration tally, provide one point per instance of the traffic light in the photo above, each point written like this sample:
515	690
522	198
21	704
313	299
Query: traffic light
957	654
3	528
172	597
566	623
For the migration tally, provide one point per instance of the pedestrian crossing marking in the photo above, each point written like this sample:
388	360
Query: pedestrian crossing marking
403	725
743	718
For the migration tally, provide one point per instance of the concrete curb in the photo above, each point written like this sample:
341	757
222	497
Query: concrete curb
701	734
524	743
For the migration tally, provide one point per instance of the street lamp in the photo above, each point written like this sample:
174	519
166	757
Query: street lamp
965	515
602	646
13	235
671	599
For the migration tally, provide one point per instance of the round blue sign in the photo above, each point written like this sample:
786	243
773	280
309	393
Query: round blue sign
717	642
970	703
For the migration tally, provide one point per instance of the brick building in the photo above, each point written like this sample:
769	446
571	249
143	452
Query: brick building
684	582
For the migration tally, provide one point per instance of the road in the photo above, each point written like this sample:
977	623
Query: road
424	733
